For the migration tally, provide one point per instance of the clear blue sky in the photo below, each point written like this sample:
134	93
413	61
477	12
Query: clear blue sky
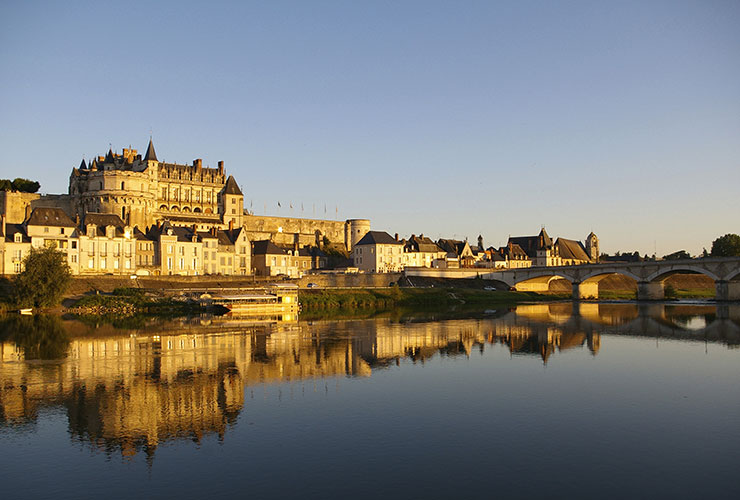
444	118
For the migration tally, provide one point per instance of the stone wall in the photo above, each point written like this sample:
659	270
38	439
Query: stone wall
289	230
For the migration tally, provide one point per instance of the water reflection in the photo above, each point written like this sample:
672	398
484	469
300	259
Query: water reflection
129	390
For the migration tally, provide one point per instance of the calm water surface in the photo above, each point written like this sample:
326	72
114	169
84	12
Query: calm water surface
596	400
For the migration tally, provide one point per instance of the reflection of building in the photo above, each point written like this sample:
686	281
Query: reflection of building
129	391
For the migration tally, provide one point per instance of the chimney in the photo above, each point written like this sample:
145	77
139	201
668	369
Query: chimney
198	163
396	236
214	231
221	167
195	228
231	225
28	212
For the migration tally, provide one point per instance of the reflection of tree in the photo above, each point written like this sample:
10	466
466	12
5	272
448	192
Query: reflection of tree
40	336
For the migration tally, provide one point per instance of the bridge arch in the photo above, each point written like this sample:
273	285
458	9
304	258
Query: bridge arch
663	274
540	282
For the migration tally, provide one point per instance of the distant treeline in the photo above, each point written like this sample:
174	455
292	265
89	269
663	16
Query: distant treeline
22	185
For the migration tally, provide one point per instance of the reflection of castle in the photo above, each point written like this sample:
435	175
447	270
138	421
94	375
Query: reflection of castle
131	392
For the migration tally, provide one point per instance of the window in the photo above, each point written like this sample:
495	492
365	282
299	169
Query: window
115	264
195	250
91	263
182	263
233	211
182	250
74	259
102	263
169	248
17	267
128	263
61	230
74	245
46	229
92	247
169	263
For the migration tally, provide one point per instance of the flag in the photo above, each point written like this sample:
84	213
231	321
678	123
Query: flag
301	207
291	205
279	204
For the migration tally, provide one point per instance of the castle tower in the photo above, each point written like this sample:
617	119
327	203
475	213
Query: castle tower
354	230
592	247
232	202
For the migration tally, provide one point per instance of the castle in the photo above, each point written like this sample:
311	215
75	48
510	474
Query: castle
149	198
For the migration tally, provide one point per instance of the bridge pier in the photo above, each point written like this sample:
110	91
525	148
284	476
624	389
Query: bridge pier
650	290
585	290
727	290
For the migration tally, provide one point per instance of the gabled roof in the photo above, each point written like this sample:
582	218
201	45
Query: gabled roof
530	244
101	221
12	229
83	165
378	238
150	155
43	216
232	187
514	251
266	247
571	249
421	244
453	246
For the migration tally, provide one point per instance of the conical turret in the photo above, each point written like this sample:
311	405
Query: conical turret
150	155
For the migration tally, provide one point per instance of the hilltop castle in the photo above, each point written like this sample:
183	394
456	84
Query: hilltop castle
146	192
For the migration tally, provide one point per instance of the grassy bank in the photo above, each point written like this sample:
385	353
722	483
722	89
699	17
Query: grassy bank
127	301
388	298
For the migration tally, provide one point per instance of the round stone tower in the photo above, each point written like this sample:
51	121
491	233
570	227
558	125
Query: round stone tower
354	230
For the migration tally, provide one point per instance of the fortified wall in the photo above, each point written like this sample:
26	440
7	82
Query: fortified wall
16	206
293	230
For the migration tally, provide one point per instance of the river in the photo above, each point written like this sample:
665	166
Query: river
590	400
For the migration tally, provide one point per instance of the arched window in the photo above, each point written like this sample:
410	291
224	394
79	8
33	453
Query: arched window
123	186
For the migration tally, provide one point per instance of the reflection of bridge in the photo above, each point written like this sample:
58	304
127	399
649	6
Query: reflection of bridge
657	320
650	276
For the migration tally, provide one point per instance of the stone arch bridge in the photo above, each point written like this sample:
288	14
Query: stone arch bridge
650	276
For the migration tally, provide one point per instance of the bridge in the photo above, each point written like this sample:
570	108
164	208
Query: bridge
650	276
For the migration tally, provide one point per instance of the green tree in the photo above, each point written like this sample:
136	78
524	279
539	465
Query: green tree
25	185
726	246
6	185
44	279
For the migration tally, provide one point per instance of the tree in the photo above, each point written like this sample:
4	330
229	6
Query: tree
44	279
726	246
6	185
25	185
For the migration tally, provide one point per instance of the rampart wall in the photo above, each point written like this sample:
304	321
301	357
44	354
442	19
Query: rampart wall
289	230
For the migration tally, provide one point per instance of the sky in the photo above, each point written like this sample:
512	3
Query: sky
447	118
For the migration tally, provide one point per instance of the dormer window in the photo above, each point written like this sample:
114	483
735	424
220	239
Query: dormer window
17	238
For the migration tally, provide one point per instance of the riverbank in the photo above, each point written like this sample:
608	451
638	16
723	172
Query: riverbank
388	298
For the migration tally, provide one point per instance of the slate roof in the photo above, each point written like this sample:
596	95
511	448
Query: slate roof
266	247
232	187
150	155
421	244
12	229
530	244
571	249
83	165
378	238
43	216
514	251
104	220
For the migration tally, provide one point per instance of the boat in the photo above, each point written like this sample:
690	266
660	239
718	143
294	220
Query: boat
26	312
273	300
